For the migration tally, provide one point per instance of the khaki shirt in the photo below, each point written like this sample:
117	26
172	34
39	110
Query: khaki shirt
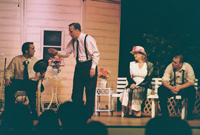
188	74
16	68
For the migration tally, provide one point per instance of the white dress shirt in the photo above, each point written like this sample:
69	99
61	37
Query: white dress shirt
137	74
16	68
92	50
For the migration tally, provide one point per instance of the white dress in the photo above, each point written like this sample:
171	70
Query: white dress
138	75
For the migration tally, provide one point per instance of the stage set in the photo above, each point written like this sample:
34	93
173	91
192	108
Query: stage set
128	125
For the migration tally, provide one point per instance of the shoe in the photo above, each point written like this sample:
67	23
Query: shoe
126	114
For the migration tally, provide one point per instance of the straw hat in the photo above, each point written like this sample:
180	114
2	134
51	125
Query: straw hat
138	49
41	66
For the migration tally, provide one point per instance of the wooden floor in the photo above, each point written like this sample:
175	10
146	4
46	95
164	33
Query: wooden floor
116	125
117	120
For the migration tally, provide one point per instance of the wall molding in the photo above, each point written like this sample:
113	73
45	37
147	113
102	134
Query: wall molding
109	1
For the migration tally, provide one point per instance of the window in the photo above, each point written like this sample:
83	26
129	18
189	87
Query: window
51	39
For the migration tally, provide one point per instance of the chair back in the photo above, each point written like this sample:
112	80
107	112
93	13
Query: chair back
121	84
156	83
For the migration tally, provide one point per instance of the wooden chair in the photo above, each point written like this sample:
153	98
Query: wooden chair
21	95
2	81
121	84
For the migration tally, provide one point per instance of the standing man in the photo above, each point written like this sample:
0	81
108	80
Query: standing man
20	75
178	79
87	56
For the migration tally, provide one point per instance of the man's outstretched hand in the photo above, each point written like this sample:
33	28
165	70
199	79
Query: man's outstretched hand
53	51
42	74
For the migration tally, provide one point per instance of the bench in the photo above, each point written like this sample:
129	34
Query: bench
121	84
156	83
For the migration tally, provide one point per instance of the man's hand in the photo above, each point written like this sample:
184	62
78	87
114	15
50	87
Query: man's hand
177	89
42	74
133	86
8	82
92	72
53	51
173	89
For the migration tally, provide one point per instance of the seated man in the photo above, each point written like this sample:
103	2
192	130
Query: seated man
20	75
178	79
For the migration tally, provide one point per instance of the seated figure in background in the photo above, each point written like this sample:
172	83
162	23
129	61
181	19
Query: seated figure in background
20	75
139	78
179	79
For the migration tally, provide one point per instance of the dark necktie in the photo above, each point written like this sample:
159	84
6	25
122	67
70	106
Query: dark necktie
25	76
77	51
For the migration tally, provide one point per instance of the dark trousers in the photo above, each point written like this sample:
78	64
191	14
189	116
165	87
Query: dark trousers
29	86
164	93
82	79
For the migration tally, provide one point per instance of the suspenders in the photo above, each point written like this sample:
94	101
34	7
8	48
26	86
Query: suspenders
180	101
175	77
183	76
84	46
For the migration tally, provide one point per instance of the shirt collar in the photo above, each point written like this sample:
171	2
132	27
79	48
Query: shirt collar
24	59
80	36
183	68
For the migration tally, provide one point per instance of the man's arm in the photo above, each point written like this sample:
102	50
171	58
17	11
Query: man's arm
53	51
190	78
9	72
166	78
65	53
183	86
187	84
172	88
94	52
167	85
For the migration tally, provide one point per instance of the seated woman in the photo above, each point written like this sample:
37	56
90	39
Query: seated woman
139	79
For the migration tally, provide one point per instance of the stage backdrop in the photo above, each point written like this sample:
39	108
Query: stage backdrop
26	20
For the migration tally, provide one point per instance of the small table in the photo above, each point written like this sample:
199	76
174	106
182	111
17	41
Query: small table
103	92
54	90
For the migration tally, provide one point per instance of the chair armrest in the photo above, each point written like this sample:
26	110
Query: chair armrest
155	96
116	95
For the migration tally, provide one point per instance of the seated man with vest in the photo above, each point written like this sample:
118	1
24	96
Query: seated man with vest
22	74
178	79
